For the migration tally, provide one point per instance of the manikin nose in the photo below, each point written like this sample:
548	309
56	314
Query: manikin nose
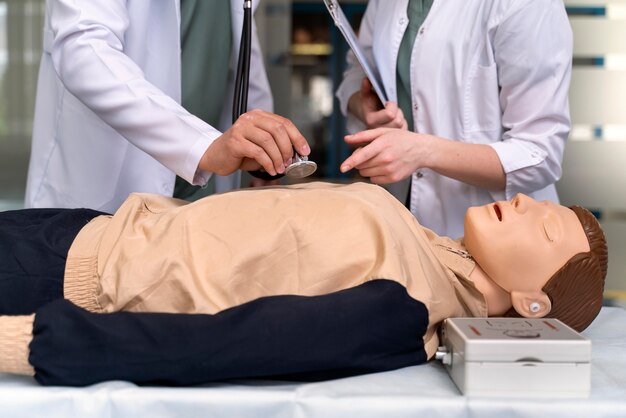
521	203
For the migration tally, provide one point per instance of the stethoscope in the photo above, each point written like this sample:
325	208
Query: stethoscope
301	166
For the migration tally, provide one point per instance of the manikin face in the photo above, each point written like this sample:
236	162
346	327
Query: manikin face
520	244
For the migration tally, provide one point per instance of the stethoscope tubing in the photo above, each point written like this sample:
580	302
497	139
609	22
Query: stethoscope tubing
242	79
301	167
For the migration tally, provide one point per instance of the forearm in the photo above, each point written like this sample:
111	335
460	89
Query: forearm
475	164
390	155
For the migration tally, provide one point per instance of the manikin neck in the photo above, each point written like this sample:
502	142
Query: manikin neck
498	300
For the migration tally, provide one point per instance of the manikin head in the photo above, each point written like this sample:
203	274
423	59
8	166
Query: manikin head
549	259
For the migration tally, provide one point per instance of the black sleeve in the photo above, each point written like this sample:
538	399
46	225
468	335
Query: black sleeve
33	250
369	328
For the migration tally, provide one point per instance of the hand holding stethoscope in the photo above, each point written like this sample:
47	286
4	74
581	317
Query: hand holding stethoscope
301	166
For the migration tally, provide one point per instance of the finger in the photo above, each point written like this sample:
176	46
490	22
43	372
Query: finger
369	98
399	121
374	170
402	123
296	138
278	131
392	108
380	117
370	164
395	113
254	152
268	144
366	86
357	158
365	164
382	174
249	164
244	133
365	136
405	125
377	172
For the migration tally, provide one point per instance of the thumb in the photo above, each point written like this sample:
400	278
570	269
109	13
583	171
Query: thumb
369	96
366	87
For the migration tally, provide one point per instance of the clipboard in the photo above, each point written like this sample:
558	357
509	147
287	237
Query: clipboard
346	30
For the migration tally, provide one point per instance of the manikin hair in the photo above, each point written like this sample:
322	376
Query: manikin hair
576	290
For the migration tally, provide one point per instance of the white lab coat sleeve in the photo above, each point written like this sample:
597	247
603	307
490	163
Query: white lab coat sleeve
533	54
88	55
354	74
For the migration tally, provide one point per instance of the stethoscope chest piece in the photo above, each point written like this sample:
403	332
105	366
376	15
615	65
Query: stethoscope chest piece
300	168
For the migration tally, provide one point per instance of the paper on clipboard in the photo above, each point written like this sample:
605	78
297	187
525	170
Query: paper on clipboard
346	30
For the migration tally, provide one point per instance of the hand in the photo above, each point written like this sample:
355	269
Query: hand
387	155
258	139
368	108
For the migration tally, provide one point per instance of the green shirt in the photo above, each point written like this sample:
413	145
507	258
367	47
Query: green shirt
417	12
206	43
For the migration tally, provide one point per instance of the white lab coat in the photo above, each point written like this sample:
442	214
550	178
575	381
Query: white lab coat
491	72
108	120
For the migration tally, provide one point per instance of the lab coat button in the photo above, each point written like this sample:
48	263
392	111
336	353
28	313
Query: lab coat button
415	106
419	175
402	21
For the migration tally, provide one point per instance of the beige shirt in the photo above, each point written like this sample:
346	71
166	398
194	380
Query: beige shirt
158	254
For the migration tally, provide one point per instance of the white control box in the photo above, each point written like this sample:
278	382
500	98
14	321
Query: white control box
517	357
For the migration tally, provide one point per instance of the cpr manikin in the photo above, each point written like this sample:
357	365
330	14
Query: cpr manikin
308	281
505	237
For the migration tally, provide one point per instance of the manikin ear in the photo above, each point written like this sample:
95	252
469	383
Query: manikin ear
531	304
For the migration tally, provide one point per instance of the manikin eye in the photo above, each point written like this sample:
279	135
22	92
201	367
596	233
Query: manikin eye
546	231
551	228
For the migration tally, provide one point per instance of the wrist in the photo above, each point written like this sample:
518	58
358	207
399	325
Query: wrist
205	162
212	161
16	333
428	147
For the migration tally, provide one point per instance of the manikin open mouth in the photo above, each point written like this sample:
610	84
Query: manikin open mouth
496	209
